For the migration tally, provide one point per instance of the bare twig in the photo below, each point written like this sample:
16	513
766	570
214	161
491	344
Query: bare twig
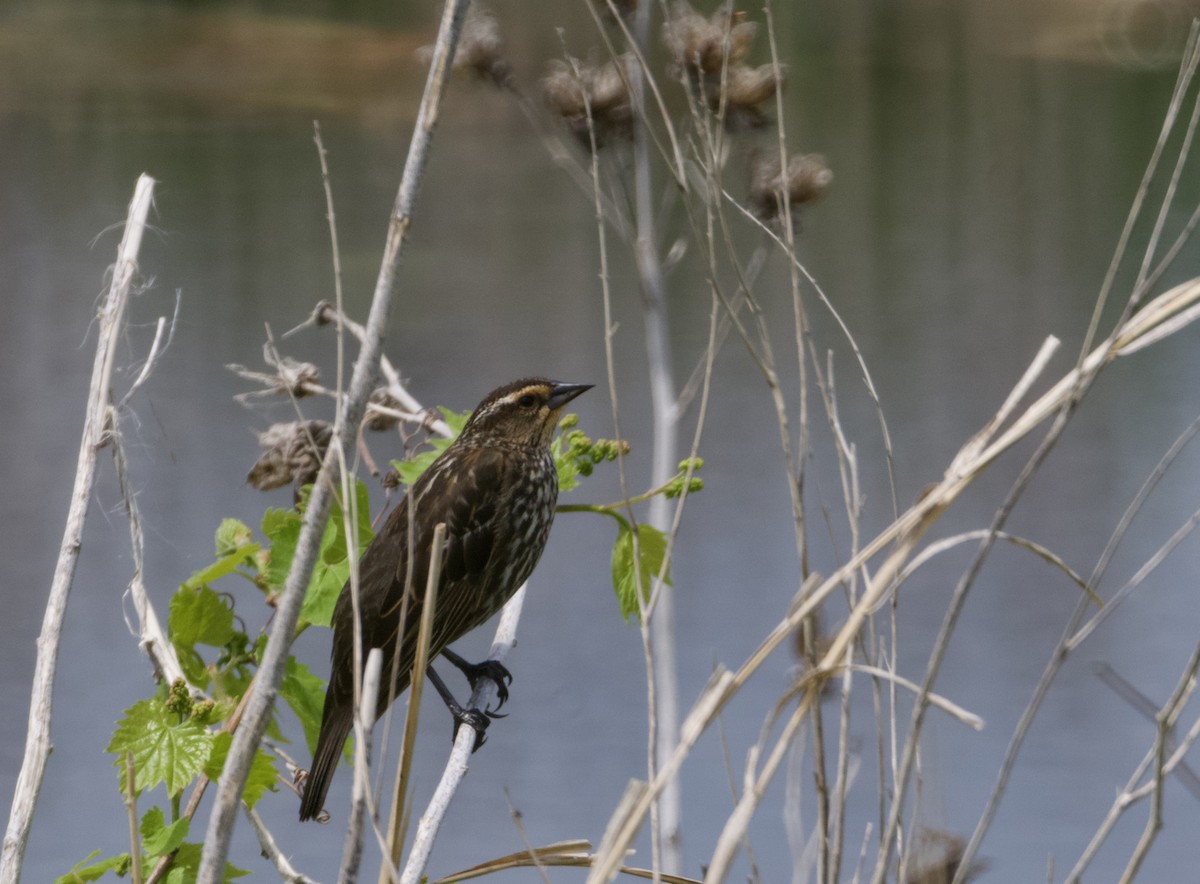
157	349
95	427
482	695
271	851
902	536
1059	655
1132	793
970	719
1165	721
530	850
151	636
396	833
135	838
326	312
352	853
1139	701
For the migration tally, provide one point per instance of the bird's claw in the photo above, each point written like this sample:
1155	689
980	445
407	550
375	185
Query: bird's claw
493	670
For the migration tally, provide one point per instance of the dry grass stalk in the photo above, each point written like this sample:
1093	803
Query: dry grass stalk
902	536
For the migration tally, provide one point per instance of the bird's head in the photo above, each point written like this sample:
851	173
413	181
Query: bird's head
523	413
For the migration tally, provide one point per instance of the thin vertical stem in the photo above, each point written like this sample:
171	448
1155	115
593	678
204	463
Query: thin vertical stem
665	454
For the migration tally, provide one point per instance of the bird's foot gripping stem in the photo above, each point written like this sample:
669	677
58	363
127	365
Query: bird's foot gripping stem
477	719
472	718
493	670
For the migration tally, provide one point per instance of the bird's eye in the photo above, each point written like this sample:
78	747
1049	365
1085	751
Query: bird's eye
527	401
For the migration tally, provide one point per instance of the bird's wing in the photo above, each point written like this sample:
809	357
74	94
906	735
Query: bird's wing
469	509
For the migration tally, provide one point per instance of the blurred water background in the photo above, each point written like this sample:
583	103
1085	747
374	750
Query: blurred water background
985	155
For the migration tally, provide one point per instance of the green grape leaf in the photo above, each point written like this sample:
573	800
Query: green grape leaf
455	420
652	547
199	616
159	839
234	546
410	470
333	547
186	865
165	750
221	567
305	694
261	779
121	863
282	528
194	667
327	581
262	769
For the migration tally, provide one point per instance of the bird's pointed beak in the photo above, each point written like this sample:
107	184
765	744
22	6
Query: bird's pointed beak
561	394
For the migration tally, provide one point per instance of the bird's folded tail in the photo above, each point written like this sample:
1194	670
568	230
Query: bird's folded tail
334	731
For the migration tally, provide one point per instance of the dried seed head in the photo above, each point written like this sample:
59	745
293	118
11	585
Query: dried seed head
291	377
806	179
747	86
572	89
940	858
702	45
376	420
481	48
745	89
295	377
293	453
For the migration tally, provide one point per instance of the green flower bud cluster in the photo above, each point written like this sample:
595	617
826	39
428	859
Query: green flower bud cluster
587	452
681	482
179	699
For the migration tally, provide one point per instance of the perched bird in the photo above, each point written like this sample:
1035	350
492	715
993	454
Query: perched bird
495	488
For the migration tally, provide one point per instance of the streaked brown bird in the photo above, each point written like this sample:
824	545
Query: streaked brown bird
495	488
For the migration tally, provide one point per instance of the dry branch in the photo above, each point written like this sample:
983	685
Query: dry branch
95	428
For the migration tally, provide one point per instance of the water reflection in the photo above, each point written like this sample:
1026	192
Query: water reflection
984	158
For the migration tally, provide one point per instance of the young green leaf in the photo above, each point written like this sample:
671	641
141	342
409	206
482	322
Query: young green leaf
186	865
335	549
232	535
327	580
80	872
223	566
235	546
411	469
159	839
262	769
282	528
305	694
165	749
652	547
199	616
